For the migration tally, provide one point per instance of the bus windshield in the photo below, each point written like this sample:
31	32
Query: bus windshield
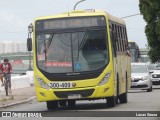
72	51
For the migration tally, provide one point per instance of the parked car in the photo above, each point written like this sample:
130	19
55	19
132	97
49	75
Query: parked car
152	67
158	66
140	77
154	74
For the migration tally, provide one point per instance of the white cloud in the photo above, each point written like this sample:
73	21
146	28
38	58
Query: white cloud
15	21
6	16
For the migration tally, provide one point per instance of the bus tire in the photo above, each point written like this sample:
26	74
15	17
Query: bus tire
117	96
52	105
123	97
111	101
71	103
62	103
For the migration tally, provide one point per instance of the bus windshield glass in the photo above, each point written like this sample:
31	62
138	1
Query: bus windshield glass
75	51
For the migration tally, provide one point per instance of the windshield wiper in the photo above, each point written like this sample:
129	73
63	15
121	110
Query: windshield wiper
84	39
48	43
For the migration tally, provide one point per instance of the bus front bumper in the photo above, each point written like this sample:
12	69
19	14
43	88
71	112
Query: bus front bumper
76	93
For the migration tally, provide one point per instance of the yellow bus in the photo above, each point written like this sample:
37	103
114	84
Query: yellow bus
80	55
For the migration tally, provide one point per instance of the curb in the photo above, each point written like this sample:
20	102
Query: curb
19	102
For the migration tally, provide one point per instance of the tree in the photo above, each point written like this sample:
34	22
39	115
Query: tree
150	9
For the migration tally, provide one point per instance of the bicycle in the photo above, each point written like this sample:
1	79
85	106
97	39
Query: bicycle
6	82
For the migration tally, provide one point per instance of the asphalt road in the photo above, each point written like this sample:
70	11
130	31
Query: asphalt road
138	100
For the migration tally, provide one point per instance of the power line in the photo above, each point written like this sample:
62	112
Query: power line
130	15
10	32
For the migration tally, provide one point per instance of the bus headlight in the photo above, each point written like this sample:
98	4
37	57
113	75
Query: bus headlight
105	79
42	83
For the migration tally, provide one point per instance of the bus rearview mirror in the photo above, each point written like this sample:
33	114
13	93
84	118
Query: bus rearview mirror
29	44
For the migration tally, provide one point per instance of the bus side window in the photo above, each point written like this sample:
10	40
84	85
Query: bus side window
124	41
117	38
113	39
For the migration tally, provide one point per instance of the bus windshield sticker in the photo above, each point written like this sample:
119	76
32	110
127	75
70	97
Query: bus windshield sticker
58	64
77	66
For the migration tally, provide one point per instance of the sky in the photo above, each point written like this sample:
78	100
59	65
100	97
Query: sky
16	15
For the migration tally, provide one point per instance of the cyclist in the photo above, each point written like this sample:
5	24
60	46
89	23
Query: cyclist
1	76
7	69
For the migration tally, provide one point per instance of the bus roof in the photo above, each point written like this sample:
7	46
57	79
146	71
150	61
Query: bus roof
78	13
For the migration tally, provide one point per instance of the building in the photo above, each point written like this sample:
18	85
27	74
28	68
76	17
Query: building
13	47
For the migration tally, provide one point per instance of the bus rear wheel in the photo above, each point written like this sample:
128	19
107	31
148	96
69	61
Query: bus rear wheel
111	101
123	98
52	105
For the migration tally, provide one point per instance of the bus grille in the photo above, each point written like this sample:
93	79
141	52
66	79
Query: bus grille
83	93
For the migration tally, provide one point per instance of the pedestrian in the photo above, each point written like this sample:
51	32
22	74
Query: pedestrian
7	70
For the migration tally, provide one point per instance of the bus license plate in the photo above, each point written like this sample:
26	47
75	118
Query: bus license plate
60	84
74	96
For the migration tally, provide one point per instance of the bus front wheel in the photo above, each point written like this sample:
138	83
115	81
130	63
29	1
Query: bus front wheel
52	105
111	101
